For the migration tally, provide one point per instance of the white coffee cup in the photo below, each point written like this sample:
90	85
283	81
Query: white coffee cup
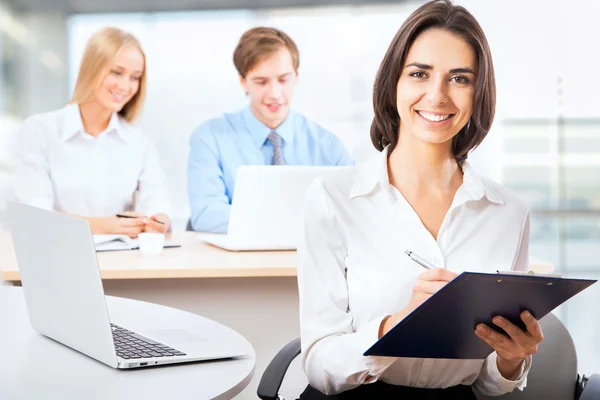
151	243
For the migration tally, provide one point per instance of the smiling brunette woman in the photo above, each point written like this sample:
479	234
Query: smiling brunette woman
86	159
434	101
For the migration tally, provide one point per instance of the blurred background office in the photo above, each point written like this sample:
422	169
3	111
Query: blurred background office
545	142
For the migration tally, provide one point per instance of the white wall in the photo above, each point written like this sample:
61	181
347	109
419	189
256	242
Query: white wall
36	79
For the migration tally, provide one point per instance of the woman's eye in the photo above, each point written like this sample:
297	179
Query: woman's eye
418	74
460	79
116	73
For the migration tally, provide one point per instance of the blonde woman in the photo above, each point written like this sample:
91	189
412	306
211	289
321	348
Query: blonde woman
87	159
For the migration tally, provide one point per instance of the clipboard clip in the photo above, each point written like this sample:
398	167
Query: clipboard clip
529	273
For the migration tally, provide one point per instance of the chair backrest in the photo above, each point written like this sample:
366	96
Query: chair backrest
553	373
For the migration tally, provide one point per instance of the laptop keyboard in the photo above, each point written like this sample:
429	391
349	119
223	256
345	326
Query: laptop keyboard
130	345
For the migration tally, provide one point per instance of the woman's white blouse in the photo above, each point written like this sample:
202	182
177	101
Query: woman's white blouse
60	167
353	272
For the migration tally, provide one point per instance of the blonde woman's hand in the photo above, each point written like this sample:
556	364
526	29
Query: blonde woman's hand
118	225
158	223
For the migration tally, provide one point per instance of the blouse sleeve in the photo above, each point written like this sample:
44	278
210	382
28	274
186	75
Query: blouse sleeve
332	351
32	183
152	185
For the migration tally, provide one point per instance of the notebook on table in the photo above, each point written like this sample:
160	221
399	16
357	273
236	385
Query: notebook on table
444	325
103	242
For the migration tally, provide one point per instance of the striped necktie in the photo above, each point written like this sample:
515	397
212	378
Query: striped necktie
277	149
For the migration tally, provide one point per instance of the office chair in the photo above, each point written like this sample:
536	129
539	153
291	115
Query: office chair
553	374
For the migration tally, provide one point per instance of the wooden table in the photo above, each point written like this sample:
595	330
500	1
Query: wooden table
194	259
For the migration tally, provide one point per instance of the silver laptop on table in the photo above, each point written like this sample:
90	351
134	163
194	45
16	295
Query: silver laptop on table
65	298
268	207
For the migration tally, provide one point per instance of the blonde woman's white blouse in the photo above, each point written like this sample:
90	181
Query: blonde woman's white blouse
60	167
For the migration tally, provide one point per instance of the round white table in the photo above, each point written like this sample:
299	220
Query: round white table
35	367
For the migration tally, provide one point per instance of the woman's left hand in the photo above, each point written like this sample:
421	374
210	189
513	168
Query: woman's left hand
512	350
158	223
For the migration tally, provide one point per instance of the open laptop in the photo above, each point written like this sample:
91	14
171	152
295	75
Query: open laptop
268	207
65	298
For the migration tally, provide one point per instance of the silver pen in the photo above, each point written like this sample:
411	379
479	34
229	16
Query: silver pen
423	263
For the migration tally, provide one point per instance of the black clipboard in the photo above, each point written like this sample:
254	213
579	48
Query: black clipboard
444	325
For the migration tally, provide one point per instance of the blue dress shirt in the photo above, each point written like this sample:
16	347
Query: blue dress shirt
219	146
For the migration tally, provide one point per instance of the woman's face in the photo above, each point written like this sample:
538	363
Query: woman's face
123	79
436	87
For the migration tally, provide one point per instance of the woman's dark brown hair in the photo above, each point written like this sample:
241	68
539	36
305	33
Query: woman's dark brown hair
441	14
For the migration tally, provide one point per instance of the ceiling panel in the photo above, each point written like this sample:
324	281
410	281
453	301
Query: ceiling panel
106	6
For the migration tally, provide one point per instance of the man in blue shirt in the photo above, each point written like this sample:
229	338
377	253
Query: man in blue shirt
266	132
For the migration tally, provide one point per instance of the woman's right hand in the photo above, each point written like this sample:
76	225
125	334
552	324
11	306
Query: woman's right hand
426	285
117	225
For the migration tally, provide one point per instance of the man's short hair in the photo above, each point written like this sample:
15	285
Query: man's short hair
259	43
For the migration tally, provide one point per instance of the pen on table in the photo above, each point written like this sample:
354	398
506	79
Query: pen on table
423	263
134	216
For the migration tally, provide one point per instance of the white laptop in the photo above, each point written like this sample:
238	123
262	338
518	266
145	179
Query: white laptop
65	298
268	207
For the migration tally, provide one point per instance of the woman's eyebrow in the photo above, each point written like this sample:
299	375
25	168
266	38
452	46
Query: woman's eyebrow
462	70
419	65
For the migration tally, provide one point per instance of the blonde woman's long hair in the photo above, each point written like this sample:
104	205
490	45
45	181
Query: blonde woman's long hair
99	51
